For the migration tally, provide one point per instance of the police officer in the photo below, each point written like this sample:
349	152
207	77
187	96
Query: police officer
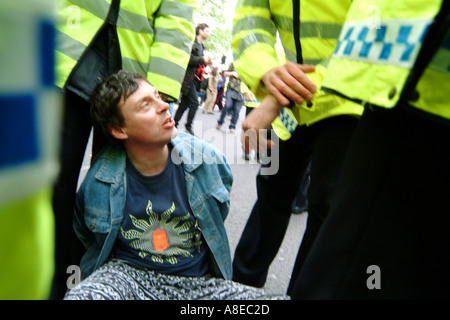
387	235
30	120
319	130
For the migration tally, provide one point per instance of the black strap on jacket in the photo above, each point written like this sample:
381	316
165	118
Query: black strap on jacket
100	59
114	58
298	46
113	13
296	17
436	34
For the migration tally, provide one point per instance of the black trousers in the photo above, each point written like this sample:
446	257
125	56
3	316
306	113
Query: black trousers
189	101
75	135
325	143
300	203
387	235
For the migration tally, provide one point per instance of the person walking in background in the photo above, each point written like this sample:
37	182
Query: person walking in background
234	99
211	91
95	38
220	90
189	97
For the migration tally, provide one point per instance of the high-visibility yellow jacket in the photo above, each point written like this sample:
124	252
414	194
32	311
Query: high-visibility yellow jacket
253	102
380	44
30	117
255	27
155	38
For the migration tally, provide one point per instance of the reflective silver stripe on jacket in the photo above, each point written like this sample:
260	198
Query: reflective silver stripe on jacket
75	49
307	30
127	20
167	68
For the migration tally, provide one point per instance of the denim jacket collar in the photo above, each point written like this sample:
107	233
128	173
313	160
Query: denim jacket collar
190	156
116	158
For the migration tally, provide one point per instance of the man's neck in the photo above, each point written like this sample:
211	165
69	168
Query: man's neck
149	162
200	39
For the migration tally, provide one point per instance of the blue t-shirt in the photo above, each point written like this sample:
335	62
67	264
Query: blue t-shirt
159	231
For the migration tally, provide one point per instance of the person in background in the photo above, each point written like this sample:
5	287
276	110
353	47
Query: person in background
94	39
234	99
211	91
189	98
220	90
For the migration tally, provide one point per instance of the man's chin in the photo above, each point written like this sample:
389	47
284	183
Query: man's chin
174	133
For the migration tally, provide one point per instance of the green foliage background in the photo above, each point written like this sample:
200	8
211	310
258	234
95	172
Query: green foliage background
218	14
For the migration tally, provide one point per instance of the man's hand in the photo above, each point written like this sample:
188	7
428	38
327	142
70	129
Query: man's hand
208	60
231	74
255	125
291	81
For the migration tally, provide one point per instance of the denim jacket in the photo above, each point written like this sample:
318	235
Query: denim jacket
100	202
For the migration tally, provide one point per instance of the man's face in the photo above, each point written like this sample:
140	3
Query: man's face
204	33
147	119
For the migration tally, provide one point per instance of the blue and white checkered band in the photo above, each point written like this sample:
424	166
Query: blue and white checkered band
391	42
288	120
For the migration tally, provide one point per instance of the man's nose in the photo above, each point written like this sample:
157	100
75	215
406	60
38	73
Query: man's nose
163	106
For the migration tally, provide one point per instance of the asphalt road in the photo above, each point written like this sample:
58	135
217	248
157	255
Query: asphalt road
243	194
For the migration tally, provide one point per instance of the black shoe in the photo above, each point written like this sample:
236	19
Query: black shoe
190	131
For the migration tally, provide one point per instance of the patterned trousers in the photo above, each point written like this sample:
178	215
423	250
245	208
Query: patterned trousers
118	280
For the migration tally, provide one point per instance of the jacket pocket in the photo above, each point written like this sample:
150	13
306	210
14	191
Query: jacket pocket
221	194
97	223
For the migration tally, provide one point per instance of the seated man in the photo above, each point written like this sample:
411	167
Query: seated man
150	211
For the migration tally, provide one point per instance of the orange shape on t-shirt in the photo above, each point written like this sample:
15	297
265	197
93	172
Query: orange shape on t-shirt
160	240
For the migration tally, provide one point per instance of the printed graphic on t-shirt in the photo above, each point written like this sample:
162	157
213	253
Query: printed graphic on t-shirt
162	236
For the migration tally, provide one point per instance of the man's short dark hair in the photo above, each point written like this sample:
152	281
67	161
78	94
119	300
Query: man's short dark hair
201	26
106	98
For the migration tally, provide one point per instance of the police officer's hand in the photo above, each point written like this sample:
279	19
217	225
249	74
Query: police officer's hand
255	125
290	80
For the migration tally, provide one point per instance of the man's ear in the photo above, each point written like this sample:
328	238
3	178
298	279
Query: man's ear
119	133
